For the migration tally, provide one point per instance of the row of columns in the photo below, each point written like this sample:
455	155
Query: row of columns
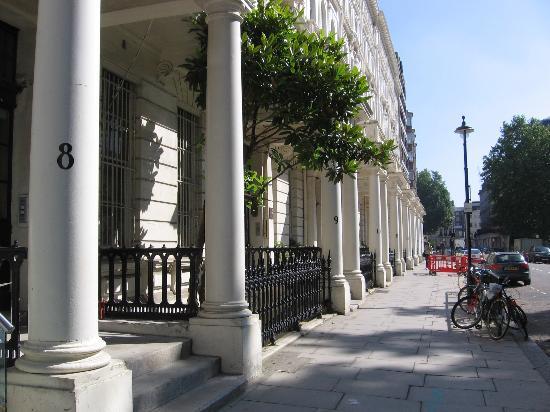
64	188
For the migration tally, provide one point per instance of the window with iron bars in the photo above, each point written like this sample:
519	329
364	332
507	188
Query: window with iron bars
189	178
116	161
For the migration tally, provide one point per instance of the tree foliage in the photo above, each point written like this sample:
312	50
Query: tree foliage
516	173
436	200
297	90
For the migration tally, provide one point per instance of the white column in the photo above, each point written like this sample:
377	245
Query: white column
385	227
408	241
225	326
64	192
64	354
415	237
350	206
331	241
395	223
311	209
402	231
375	223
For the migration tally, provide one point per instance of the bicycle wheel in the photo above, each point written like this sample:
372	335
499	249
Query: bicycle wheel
466	312
518	318
498	319
465	291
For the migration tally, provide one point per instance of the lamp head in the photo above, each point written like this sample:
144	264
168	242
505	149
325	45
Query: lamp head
463	129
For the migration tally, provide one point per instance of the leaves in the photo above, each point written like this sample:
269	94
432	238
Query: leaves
516	174
297	90
436	200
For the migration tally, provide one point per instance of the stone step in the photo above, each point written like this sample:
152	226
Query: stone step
144	354
156	388
210	396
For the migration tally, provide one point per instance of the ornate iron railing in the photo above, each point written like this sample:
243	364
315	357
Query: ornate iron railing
129	279
392	261
286	286
368	266
11	259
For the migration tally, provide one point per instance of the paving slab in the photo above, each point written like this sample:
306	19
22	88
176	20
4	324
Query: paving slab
254	406
447	396
362	403
293	396
373	387
457	382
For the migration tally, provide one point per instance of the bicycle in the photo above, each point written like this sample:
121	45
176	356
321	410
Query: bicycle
485	303
518	318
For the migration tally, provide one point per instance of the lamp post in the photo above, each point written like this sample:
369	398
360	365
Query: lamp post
465	131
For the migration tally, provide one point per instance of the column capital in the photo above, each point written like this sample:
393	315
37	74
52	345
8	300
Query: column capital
374	170
225	6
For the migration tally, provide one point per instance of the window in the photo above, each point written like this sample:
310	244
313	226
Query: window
116	161
189	178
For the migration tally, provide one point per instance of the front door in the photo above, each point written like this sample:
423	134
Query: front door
8	52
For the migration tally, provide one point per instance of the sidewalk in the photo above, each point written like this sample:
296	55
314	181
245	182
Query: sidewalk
398	352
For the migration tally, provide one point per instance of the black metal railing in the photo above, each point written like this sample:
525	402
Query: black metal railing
286	286
367	262
392	261
405	255
11	259
129	282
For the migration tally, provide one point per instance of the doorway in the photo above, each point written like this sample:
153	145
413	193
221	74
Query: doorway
8	54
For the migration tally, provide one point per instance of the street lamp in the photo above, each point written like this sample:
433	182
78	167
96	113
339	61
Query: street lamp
465	131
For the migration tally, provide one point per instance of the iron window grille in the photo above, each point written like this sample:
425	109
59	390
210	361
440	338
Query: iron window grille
116	160
189	178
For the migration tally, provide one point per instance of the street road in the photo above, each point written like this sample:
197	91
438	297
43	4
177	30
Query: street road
535	300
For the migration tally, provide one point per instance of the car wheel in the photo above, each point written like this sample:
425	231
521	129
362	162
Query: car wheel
526	282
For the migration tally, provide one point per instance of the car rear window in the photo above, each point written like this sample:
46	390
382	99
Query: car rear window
541	249
515	257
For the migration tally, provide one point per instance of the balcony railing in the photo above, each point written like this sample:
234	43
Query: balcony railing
11	259
368	266
392	261
286	286
149	283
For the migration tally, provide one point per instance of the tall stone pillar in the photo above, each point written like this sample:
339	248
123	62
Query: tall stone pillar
385	227
375	224
225	326
402	231
408	237
64	352
415	236
395	224
331	241
311	209
350	206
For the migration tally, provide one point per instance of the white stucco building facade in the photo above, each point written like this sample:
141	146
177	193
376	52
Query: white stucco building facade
105	145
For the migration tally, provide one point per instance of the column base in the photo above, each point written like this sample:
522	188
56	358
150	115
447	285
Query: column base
403	267
389	272
380	276
356	282
237	341
409	263
341	297
416	260
54	358
398	268
105	389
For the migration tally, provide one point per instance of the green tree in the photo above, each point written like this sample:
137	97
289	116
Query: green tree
516	173
297	90
436	200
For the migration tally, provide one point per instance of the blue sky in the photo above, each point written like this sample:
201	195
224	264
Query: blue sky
486	59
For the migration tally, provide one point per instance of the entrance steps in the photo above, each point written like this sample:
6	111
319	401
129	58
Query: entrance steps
167	377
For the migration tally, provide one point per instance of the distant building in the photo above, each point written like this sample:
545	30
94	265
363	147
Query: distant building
411	151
